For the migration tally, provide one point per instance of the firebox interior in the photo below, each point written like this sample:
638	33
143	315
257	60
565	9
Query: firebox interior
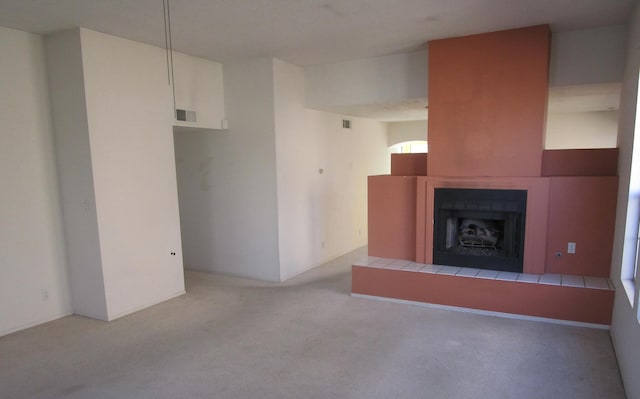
479	228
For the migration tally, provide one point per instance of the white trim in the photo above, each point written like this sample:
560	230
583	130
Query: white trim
486	312
35	323
142	307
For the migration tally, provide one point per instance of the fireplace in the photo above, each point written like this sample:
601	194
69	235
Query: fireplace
479	228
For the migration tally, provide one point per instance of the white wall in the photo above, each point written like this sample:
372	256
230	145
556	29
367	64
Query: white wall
112	108
587	56
322	176
399	132
377	80
68	106
227	181
194	151
568	130
130	116
625	328
199	87
233	219
32	255
577	57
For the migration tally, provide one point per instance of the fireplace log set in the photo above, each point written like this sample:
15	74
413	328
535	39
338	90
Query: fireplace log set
479	228
478	233
478	238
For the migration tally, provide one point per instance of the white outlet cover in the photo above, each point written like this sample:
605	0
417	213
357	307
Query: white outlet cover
571	248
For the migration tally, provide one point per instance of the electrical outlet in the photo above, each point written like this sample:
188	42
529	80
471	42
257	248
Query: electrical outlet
45	295
571	248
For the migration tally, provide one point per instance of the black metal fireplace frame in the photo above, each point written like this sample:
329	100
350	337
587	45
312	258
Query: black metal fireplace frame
498	204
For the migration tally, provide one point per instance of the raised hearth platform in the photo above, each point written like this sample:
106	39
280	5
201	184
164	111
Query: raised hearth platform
562	297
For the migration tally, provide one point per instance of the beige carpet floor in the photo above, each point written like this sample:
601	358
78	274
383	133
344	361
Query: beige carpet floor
307	338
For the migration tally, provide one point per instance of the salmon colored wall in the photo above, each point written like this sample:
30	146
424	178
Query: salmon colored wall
408	164
538	300
581	210
535	224
392	216
487	103
584	162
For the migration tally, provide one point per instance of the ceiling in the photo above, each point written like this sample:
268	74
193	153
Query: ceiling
408	110
564	99
310	32
585	98
305	32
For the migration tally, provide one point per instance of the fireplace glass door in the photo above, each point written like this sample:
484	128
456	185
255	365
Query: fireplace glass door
479	228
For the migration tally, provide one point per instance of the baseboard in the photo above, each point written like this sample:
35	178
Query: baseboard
35	323
328	259
139	308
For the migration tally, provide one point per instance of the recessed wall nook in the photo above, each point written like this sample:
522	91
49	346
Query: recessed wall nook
483	221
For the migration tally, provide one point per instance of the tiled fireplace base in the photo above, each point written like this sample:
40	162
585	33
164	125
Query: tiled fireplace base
562	297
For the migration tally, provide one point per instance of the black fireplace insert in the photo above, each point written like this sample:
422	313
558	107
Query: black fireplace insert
479	228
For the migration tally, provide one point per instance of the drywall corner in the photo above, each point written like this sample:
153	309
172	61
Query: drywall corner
68	107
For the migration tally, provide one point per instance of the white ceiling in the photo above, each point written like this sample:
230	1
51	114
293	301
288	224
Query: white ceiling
308	32
565	99
305	32
585	98
408	110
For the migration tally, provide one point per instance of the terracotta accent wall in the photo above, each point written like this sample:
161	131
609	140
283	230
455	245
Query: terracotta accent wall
487	103
581	210
583	162
392	216
538	300
408	164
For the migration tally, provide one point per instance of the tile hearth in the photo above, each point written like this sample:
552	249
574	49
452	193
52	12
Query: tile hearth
546	279
563	297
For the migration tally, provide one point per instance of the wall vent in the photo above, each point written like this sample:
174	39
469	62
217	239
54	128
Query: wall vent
346	124
185	115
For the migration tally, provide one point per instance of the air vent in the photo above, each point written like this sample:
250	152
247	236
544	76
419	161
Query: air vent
346	124
185	115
